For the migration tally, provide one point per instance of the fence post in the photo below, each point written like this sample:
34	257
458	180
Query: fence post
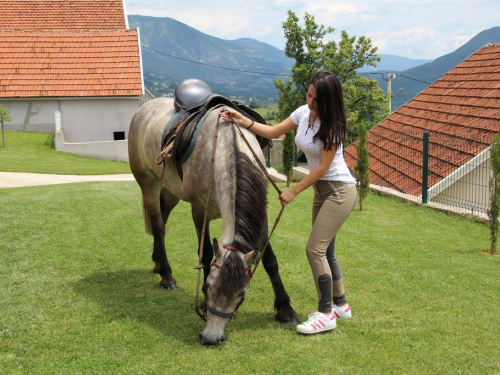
268	156
425	167
294	149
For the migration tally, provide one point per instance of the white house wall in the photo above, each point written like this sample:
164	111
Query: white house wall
470	191
82	120
31	115
96	120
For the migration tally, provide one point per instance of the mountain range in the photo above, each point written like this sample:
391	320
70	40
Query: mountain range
416	79
173	51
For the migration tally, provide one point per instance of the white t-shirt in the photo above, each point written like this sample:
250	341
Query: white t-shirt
338	170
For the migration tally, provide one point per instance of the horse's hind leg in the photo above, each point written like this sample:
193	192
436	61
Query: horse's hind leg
284	311
158	203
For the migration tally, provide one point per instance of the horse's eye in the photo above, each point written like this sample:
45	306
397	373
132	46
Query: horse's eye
241	294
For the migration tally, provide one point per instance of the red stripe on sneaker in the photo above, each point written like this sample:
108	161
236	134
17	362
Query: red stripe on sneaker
337	315
348	308
320	322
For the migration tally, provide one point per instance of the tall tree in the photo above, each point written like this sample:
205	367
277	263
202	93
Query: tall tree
312	52
4	117
494	209
362	167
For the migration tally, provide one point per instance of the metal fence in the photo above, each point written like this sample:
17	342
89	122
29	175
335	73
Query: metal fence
437	168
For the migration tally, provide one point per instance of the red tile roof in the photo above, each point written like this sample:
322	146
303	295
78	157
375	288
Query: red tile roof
461	112
69	64
62	15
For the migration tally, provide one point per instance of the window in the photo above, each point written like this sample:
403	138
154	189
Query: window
119	136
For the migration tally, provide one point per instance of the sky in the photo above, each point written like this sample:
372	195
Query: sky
416	29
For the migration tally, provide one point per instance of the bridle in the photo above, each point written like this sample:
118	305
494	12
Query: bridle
221	314
260	255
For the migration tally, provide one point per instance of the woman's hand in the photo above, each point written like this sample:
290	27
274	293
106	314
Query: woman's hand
287	196
232	115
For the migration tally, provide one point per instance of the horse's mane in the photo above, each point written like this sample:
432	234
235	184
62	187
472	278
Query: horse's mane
250	205
250	221
233	275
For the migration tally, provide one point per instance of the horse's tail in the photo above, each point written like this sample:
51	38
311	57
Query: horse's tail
147	221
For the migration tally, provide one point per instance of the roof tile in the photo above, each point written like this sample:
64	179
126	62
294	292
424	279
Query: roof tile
62	15
69	63
461	112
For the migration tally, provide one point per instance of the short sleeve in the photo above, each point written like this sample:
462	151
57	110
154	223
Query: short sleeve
295	116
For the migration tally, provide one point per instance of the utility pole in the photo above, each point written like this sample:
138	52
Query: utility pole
389	91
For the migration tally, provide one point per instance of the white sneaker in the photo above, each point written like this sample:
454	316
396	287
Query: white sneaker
317	322
342	312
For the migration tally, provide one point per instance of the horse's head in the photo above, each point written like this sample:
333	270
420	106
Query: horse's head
224	290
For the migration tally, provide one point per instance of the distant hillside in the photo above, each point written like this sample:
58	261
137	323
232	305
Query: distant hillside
393	63
434	70
178	44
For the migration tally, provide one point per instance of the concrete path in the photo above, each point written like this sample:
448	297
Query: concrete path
14	179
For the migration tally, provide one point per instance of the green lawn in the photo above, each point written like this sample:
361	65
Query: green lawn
78	295
31	152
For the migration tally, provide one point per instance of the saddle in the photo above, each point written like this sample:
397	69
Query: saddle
194	100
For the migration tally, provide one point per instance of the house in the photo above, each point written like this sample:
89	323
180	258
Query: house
461	114
72	67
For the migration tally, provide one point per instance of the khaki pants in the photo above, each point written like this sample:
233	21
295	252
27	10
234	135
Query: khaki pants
332	204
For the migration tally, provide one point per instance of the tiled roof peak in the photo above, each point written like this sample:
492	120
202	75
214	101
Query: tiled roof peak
461	113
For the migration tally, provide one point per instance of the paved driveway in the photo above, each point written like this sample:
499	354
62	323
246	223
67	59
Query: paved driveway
13	179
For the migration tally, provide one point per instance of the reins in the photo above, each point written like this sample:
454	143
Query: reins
202	237
260	254
264	169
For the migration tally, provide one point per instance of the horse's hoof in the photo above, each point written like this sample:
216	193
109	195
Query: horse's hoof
170	285
286	317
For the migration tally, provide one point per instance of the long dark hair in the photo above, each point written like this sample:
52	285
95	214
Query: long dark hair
330	108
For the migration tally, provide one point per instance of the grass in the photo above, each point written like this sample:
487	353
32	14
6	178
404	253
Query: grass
264	112
78	296
28	152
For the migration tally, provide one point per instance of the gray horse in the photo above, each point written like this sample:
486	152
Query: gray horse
237	196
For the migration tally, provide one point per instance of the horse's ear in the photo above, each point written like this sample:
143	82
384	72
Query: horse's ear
248	258
219	250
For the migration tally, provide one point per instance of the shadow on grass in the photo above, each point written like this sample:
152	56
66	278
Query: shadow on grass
136	295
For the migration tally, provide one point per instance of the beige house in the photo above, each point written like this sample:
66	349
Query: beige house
74	68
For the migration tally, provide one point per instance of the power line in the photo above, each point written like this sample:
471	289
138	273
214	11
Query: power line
395	75
263	73
215	66
414	79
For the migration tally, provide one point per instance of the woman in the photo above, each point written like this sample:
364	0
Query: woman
321	128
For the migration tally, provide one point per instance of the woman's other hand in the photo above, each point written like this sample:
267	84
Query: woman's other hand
287	196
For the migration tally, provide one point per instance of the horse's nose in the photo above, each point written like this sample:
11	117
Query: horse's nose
207	341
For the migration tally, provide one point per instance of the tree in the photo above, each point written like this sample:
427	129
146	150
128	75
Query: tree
362	167
494	209
4	117
365	100
288	156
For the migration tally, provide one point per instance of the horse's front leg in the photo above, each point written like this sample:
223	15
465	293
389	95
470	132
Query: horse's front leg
284	311
208	250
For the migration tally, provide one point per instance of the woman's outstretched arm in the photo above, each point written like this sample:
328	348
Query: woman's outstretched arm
263	130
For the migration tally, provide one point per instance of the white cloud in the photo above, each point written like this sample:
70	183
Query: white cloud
420	29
